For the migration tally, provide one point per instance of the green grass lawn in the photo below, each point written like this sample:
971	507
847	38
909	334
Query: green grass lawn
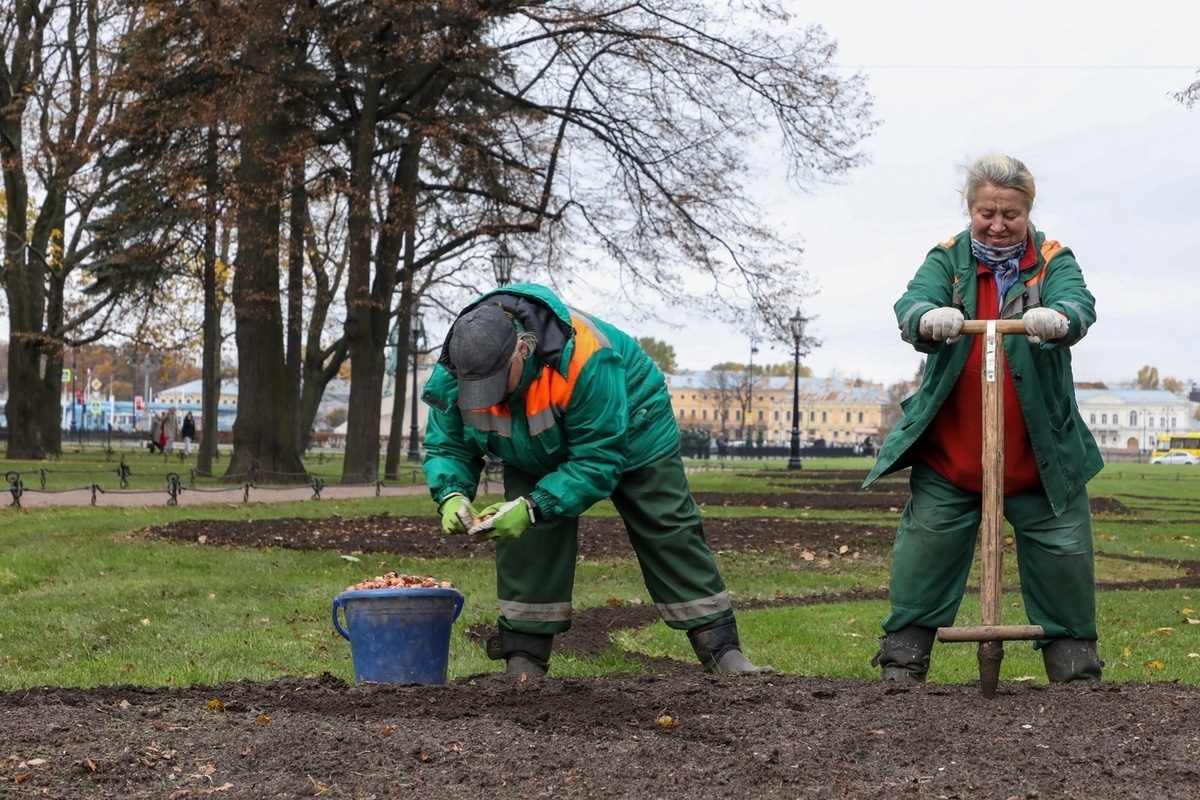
85	600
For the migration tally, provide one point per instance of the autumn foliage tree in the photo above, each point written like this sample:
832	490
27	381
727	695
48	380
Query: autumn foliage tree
607	142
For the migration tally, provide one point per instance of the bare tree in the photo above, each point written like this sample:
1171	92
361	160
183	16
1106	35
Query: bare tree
608	136
579	128
651	115
56	93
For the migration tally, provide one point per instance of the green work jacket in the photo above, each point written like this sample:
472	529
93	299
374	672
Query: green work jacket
615	415
1066	453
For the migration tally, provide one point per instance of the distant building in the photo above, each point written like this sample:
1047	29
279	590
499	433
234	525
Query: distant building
187	397
1131	419
190	394
835	410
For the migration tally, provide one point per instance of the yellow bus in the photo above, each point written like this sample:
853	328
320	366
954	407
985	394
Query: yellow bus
1177	443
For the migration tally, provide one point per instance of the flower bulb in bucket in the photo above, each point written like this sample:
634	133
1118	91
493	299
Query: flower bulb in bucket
399	632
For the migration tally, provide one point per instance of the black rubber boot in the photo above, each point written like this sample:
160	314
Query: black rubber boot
719	650
904	654
527	654
1069	660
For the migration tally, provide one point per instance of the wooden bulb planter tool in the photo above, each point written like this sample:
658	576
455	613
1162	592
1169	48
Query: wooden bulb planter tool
991	634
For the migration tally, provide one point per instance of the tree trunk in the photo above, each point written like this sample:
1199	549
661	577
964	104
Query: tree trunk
295	302
210	359
24	425
365	334
398	227
406	337
263	447
22	286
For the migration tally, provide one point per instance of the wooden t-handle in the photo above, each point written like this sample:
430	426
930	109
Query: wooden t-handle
979	326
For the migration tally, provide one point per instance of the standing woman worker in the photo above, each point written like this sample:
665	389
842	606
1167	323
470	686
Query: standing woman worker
999	268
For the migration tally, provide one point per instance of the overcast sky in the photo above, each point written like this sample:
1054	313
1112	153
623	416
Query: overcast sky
1080	91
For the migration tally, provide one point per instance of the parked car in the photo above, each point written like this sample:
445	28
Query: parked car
1175	457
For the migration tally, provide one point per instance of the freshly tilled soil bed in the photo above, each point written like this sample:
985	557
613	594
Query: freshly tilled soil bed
668	731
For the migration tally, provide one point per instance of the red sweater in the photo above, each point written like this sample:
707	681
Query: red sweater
953	443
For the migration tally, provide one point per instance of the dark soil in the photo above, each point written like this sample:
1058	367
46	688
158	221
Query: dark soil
666	731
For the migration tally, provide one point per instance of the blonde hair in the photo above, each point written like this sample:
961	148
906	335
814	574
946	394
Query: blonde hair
527	338
1003	172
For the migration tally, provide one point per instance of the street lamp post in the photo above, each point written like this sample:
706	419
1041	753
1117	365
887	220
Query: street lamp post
418	333
502	264
796	324
74	399
749	426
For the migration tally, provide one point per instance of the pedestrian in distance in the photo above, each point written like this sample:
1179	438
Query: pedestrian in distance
577	412
170	430
158	434
188	431
1000	267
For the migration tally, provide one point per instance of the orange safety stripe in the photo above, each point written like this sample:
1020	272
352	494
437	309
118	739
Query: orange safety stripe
550	392
1050	249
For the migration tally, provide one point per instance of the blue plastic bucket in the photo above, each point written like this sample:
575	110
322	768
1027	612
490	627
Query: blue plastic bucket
398	635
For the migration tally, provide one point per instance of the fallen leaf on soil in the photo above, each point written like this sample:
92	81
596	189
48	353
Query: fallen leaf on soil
667	721
215	705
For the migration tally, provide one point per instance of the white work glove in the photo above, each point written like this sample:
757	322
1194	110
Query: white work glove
1044	325
942	324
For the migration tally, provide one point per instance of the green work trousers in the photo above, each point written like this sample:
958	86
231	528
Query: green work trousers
535	574
935	545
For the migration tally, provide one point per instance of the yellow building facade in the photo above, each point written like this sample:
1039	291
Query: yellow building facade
834	410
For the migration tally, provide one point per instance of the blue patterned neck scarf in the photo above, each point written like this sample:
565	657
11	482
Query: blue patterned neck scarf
1004	262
